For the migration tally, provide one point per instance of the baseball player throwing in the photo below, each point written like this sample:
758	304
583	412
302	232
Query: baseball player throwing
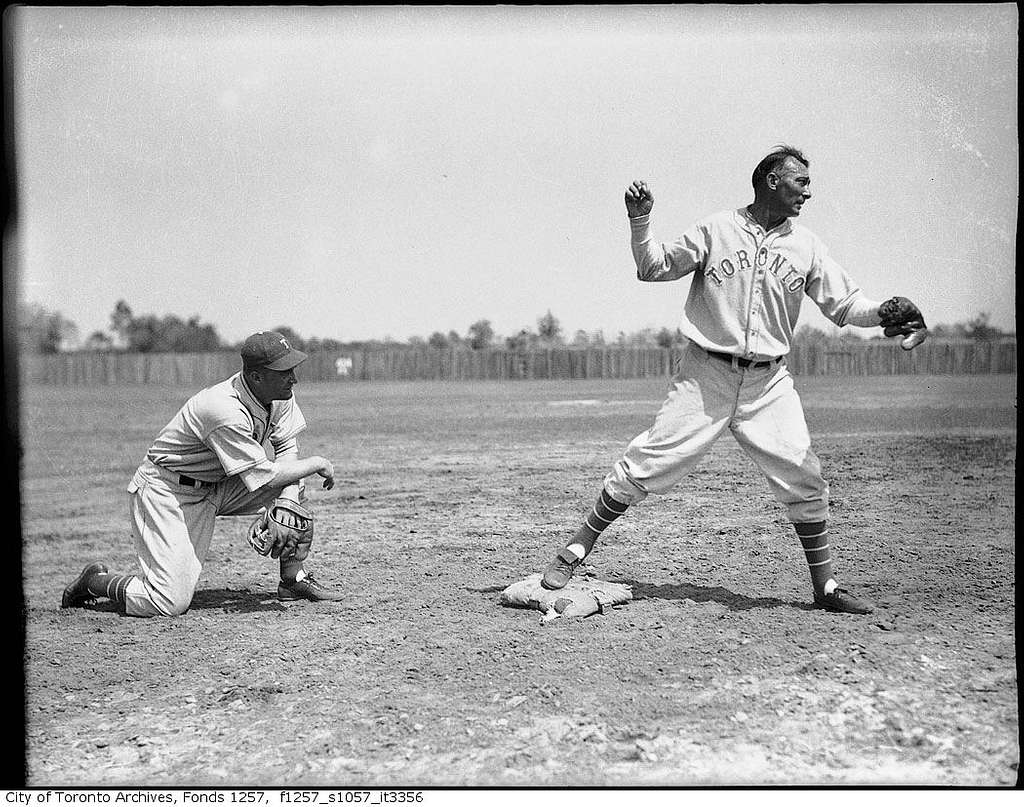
751	269
230	450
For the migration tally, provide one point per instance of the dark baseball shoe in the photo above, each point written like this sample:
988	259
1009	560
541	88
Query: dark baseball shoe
305	589
842	601
77	593
560	570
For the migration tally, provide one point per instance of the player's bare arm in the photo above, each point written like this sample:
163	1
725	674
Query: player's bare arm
290	471
639	199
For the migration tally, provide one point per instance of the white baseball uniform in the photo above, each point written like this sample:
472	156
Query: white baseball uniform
213	458
747	288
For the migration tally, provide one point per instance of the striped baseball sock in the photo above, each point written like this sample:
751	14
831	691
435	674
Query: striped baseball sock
111	586
603	513
814	538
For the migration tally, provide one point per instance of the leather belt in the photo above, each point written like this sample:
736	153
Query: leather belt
171	476
744	363
189	482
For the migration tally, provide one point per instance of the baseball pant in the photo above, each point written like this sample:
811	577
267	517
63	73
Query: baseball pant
762	409
172	525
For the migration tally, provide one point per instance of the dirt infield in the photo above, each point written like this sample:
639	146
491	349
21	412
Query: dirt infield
718	673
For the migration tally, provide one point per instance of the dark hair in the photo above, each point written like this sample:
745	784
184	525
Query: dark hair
777	156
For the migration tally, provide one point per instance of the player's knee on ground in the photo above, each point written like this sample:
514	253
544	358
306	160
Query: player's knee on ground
177	608
143	599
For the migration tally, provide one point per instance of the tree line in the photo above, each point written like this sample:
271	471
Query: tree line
41	330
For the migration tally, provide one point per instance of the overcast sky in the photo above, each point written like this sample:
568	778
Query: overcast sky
362	172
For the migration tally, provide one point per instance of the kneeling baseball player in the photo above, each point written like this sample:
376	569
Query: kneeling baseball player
751	270
230	450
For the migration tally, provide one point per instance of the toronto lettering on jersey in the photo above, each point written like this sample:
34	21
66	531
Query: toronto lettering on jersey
790	278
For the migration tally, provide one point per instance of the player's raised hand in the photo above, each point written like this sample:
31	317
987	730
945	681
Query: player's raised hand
327	472
639	199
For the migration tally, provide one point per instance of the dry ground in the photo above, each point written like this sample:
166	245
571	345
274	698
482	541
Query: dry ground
718	673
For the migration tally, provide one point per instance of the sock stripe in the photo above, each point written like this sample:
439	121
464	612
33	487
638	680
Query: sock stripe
117	585
814	538
603	513
608	501
596	530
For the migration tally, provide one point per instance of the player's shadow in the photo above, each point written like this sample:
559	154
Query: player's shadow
686	591
719	594
233	601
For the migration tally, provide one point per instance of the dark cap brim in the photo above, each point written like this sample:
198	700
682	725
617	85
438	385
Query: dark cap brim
287	361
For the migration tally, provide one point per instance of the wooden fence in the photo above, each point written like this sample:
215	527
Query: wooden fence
875	357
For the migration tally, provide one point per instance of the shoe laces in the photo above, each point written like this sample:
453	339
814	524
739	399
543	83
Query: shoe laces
312	582
842	593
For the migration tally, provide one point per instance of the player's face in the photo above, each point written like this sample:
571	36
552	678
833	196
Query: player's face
273	385
793	187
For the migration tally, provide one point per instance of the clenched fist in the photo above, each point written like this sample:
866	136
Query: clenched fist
639	199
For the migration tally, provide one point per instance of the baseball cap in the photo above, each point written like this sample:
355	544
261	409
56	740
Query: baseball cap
270	350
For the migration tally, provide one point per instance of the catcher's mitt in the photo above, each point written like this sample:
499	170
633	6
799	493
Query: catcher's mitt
284	530
578	598
900	317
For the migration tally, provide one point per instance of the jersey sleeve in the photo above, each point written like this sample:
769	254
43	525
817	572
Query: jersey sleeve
257	476
289	446
863	311
830	287
236	450
286	425
657	262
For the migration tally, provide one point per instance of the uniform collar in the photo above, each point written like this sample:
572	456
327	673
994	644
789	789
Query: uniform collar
249	401
785	226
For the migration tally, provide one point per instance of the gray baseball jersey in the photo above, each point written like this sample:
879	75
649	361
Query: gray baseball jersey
748	284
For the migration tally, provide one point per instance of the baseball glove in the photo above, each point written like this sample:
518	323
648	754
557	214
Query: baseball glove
284	530
900	317
578	598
